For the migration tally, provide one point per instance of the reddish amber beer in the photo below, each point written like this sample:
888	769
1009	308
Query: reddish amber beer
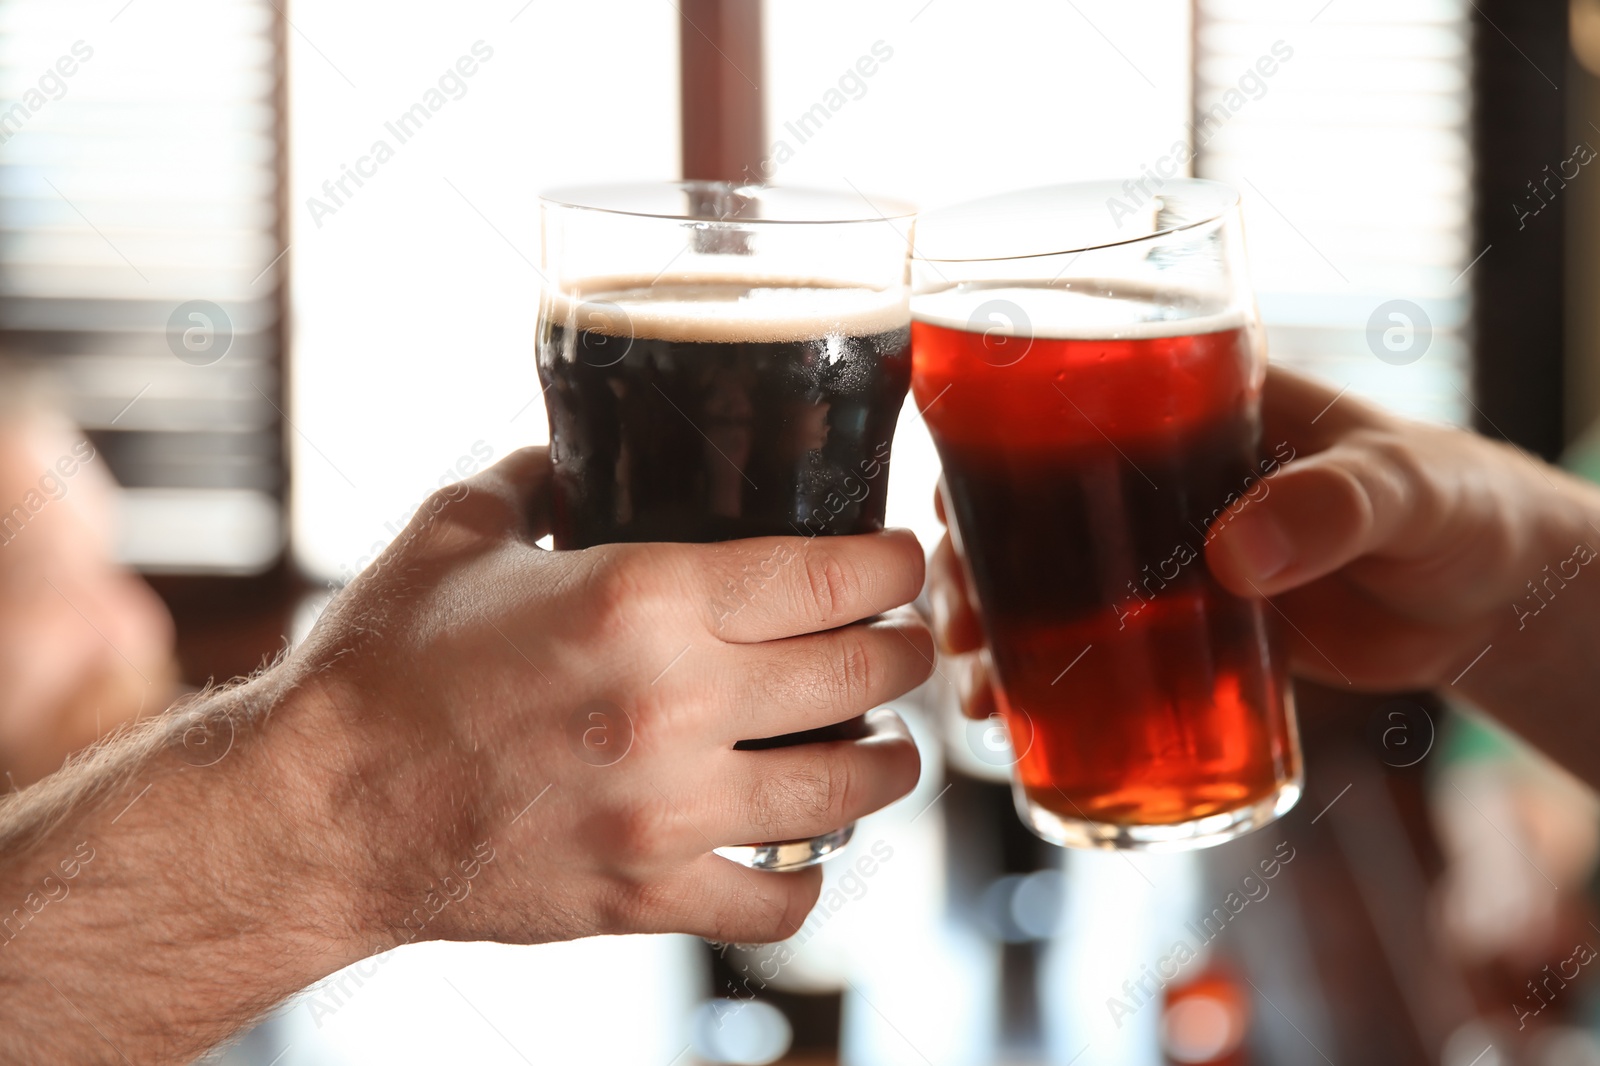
1094	433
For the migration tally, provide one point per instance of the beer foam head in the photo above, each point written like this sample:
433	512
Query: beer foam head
1085	311
728	310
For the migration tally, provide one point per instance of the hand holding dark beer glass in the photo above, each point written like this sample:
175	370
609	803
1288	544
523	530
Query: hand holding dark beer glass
1093	384
725	362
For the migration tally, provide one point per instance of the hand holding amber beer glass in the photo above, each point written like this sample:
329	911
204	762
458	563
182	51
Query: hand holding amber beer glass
1092	379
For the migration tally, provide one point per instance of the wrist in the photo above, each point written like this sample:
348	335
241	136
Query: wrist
303	773
367	778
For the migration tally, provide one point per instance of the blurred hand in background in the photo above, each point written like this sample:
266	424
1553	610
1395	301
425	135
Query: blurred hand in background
85	646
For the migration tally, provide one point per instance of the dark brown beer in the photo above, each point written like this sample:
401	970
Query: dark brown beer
718	410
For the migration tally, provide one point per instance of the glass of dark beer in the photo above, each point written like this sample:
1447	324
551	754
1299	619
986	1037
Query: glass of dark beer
723	361
1090	363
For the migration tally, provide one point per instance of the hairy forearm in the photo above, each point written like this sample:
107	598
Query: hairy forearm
173	884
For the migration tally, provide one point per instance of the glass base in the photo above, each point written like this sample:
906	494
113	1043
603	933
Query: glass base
789	854
1205	832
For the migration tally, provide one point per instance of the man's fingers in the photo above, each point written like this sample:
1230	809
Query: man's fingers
956	627
772	587
514	492
788	686
1361	496
1310	415
793	793
722	901
974	677
955	622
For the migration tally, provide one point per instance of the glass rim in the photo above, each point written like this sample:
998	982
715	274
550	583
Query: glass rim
612	198
1227	200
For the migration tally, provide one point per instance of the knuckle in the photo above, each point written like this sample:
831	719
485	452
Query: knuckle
854	673
844	786
1347	495
841	677
447	519
466	506
622	587
658	716
640	833
1398	470
442	500
828	583
620	580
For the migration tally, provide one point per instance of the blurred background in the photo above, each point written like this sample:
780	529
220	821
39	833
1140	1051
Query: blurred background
267	278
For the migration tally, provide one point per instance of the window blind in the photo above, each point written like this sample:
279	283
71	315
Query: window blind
140	258
1344	124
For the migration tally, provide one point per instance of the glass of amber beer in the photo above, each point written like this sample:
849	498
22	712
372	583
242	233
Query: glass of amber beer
724	361
1090	363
